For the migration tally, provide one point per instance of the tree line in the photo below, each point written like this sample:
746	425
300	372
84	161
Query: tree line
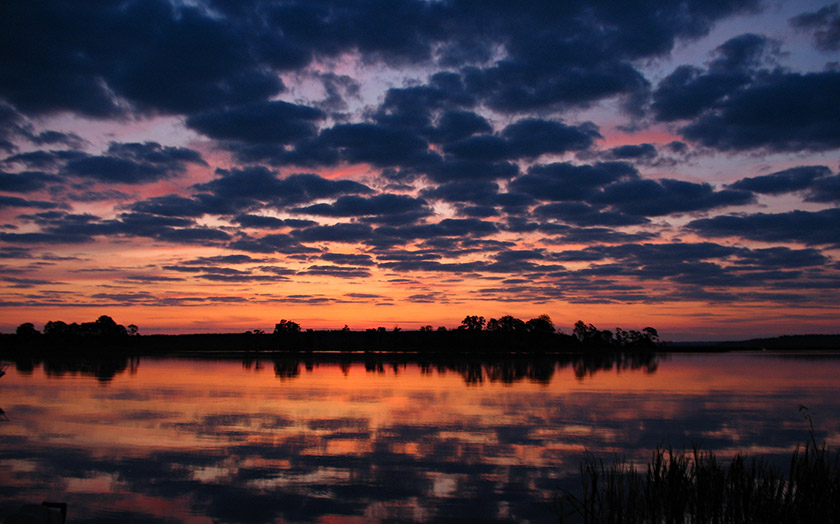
102	327
538	331
475	334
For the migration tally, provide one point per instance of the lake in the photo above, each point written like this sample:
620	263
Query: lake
329	439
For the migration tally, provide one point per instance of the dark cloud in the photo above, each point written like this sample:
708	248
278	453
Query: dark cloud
25	283
574	55
64	228
161	57
689	90
336	271
348	259
474	192
25	181
273	243
379	145
456	125
778	111
458	169
823	24
785	181
267	222
781	257
588	235
413	107
7	201
117	170
448	227
157	56
565	181
150	279
632	152
342	232
811	228
247	187
658	198
384	208
133	163
71	140
580	214
170	206
272	122
528	138
43	159
15	252
193	235
826	189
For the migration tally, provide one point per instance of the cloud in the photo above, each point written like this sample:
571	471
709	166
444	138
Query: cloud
637	152
448	227
527	138
650	198
689	91
785	181
44	159
133	163
170	206
257	184
825	189
810	228
348	259
823	24
336	271
384	208
580	214
342	232
779	112
159	57
272	243
376	144
273	122
267	222
565	181
222	259
455	125
7	201
25	181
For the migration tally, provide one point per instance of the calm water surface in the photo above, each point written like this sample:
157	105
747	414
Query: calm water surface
200	441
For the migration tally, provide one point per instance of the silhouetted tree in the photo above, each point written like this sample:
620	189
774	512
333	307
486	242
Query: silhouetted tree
285	327
592	336
472	323
133	330
106	327
506	324
57	329
542	325
27	329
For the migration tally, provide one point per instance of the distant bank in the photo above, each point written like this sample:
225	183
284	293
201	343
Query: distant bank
453	342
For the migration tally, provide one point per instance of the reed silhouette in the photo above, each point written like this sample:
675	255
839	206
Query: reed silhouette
694	487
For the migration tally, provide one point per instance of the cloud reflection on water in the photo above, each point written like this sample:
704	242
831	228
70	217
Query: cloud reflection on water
378	440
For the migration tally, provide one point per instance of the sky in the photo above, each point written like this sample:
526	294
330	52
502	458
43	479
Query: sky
220	165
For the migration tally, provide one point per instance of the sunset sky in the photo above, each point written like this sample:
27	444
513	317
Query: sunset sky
219	165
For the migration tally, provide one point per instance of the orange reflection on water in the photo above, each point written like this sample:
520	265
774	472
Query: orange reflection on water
287	440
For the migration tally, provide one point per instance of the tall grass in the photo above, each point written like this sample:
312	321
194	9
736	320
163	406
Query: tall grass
693	487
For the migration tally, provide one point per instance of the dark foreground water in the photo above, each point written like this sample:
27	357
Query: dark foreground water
200	441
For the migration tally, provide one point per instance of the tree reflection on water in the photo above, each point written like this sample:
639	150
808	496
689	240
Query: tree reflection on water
475	371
